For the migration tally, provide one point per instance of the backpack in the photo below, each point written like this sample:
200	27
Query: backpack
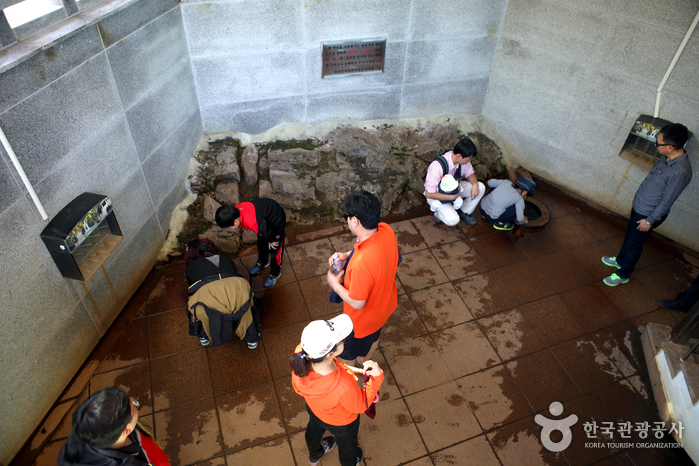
445	170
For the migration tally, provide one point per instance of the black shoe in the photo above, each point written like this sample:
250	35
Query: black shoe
328	443
360	458
671	305
468	218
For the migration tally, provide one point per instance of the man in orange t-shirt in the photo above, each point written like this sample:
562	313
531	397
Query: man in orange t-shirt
369	290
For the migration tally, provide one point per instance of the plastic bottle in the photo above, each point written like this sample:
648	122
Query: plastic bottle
337	263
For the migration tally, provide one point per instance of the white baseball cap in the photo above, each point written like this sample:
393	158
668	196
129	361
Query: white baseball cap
320	336
448	183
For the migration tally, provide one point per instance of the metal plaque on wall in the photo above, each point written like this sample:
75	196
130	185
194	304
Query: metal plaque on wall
352	57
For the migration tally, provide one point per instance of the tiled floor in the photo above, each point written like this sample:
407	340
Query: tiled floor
489	331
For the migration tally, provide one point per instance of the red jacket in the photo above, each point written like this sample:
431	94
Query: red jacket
336	399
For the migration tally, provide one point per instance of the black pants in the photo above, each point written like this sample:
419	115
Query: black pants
263	252
345	437
506	217
688	297
632	247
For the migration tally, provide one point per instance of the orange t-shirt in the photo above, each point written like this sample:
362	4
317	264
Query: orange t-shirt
371	276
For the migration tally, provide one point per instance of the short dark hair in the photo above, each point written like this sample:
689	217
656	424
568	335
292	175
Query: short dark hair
100	420
226	215
366	207
199	247
675	134
465	147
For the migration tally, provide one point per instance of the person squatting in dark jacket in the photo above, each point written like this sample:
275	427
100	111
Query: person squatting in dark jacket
266	218
220	301
106	432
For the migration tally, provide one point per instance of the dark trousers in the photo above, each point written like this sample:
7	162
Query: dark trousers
345	437
688	297
632	247
263	252
508	216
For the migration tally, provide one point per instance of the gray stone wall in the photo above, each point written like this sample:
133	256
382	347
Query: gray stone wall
568	82
110	109
258	63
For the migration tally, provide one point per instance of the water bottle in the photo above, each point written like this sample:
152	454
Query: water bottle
337	263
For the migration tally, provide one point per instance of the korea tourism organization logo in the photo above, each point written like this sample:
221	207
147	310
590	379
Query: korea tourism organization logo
616	435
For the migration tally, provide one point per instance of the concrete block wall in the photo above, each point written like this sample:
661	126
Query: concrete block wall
257	63
110	108
568	81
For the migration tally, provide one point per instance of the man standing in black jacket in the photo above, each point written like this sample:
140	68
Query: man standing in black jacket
266	218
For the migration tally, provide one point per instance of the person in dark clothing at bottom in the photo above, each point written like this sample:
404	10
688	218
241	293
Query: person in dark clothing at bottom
685	300
220	299
106	432
266	218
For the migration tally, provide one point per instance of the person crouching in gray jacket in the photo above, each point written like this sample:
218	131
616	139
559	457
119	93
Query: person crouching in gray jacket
505	202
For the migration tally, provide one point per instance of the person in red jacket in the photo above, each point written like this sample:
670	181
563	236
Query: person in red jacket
333	398
106	432
266	218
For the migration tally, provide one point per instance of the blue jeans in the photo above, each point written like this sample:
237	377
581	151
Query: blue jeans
345	438
632	247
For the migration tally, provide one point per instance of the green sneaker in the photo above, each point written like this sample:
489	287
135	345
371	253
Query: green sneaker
610	261
614	280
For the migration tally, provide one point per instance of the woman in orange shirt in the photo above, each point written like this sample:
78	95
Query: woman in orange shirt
333	398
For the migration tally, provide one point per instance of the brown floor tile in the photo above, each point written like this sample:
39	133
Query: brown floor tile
556	205
631	298
652	255
190	433
620	402
586	363
589	258
465	349
642	385
494	397
130	348
577	452
661	316
343	242
279	345
519	444
511	335
683	269
316	292
404	324
257	282
392	437
135	380
220	461
169	294
542	379
480	228
538	244
524	283
276	452
484	294
552	320
459	259
249	416
569	232
434	233
283	305
416	365
424	461
656	456
660	281
180	379
474	451
168	334
66	425
420	270
310	259
292	404
440	307
562	272
389	388
622	342
498	249
600	229
399	287
49	454
442	416
592	307
409	240
234	366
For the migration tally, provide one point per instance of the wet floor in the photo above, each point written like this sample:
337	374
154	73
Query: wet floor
490	330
